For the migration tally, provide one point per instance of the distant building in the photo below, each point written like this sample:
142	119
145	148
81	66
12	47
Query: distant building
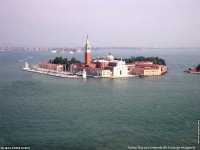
143	62
146	68
93	71
163	69
110	57
49	66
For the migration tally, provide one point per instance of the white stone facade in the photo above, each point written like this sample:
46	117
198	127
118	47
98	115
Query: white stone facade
120	69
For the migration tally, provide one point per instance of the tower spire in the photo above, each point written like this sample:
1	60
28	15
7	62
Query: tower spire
87	52
87	39
87	45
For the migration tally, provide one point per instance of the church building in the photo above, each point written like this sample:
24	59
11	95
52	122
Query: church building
100	67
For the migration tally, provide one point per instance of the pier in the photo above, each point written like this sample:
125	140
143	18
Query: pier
38	70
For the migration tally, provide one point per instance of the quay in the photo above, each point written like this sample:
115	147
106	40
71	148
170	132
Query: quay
38	70
63	74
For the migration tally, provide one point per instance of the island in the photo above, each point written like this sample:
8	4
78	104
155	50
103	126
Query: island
109	67
194	70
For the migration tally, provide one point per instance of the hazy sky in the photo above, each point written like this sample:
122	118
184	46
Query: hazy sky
158	23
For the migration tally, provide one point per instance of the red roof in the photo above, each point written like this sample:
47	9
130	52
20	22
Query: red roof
89	68
49	64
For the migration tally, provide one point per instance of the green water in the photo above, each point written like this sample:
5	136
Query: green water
45	112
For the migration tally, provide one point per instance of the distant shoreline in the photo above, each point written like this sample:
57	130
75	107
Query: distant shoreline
74	49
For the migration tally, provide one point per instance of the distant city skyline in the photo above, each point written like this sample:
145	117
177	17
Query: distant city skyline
128	23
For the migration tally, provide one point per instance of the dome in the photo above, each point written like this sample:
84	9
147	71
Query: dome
110	57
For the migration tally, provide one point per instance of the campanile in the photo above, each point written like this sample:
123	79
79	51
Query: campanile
87	52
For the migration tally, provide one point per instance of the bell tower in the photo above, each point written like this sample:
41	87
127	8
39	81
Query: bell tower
87	52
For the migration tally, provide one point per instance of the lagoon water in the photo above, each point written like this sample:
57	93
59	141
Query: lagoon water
45	112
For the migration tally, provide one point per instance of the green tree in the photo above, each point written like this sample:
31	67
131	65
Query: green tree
198	67
73	60
57	60
155	60
65	61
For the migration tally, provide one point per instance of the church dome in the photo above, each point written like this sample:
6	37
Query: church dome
110	57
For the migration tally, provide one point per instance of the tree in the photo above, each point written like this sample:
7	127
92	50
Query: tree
73	60
198	67
57	60
155	60
65	61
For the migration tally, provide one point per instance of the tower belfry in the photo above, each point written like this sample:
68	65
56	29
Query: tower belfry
87	45
87	52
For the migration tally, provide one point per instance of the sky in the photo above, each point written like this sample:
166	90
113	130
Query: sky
123	23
